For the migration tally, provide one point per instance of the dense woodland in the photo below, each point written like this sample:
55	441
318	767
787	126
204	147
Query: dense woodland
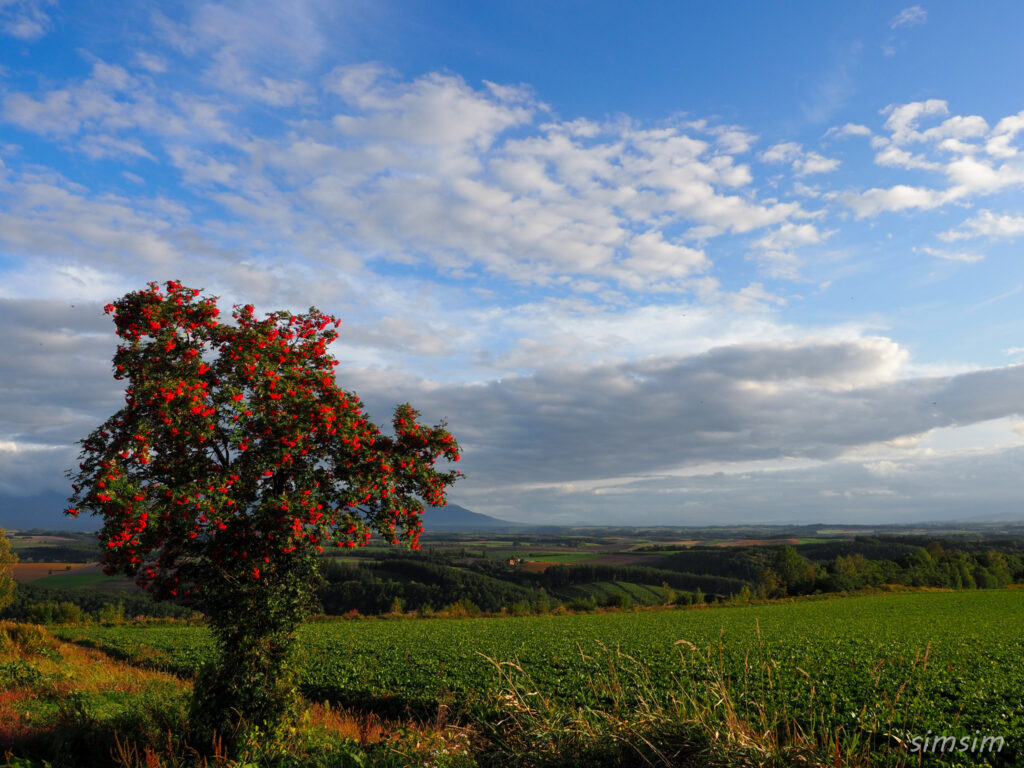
461	581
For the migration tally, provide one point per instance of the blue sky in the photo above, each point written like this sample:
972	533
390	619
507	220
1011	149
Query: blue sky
655	263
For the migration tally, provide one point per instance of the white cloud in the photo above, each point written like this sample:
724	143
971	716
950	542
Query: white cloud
910	16
569	284
48	220
245	47
652	259
99	147
903	119
777	250
150	62
25	19
957	127
975	160
54	113
426	170
848	129
812	162
804	162
438	111
963	257
898	198
109	103
731	139
897	157
783	152
1005	131
432	170
232	76
987	224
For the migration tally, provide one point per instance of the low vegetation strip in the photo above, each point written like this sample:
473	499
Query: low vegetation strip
64	706
877	669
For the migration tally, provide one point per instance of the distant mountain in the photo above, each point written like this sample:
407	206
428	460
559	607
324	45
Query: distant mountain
43	510
453	518
46	510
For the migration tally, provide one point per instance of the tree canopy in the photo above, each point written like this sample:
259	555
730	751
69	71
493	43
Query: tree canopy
236	460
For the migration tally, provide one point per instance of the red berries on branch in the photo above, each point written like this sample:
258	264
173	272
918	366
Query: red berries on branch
236	443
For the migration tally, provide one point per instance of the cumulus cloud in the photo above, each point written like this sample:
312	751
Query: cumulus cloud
731	139
998	144
803	162
108	105
897	198
778	249
975	159
46	215
903	119
848	129
427	170
468	179
987	224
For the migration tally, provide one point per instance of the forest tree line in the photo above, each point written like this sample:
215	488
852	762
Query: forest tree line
446	580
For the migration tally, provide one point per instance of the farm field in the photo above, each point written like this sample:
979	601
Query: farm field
86	576
602	591
24	573
871	669
69	576
550	556
57	547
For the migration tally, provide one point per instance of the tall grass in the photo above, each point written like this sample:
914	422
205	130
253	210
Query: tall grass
64	706
708	718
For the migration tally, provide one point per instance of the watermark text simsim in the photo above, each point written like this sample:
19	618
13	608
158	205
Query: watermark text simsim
940	743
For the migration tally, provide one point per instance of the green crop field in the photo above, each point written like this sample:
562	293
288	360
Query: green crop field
545	556
642	594
74	580
945	662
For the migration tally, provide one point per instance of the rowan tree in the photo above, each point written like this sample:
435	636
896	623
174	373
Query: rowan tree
235	461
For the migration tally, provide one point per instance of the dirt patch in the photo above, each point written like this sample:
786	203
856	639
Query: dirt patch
26	572
535	566
625	559
43	539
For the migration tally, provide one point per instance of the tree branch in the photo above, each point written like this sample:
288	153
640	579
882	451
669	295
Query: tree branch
221	456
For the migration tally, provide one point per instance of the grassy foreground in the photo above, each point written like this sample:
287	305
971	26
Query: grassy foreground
832	682
66	705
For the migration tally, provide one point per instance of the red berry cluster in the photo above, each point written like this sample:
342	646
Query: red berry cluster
237	450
